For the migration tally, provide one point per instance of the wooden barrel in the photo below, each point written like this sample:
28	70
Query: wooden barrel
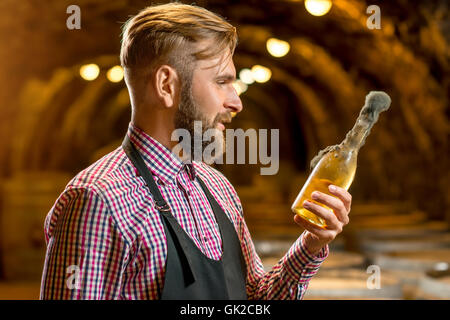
343	260
434	288
399	231
410	266
349	284
384	216
395	244
412	260
365	210
26	200
386	220
394	225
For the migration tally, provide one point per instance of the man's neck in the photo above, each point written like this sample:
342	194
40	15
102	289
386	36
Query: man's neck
159	128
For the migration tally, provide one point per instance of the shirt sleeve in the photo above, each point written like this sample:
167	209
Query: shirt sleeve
288	279
85	250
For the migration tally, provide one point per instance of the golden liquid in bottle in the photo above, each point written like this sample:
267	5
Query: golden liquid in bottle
338	165
335	167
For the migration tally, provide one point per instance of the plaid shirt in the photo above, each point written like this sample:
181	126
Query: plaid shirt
105	239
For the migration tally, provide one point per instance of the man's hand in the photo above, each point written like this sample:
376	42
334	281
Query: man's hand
316	238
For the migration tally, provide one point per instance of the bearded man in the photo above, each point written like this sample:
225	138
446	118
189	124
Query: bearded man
145	223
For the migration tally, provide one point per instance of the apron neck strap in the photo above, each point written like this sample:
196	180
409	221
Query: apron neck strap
135	157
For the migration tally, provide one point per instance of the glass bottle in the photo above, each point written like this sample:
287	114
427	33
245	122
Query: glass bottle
337	164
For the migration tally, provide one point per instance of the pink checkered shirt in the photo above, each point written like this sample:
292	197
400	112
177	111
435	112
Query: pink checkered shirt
105	239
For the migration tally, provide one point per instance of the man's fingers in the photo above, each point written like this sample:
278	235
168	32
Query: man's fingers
309	226
316	230
334	209
333	203
330	218
342	194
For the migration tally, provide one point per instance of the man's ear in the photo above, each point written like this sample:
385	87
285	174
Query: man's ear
166	85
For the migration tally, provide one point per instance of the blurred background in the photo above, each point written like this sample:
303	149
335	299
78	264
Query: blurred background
304	67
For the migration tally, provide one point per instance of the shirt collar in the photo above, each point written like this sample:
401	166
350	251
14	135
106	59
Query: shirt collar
162	162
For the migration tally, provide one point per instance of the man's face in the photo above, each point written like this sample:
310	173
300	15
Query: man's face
209	98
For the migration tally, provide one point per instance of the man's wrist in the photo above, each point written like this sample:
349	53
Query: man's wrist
313	245
299	264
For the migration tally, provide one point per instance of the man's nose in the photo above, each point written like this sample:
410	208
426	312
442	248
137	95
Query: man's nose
234	103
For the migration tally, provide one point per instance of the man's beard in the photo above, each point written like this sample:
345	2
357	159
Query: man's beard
188	114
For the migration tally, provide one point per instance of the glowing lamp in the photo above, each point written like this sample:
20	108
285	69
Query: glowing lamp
246	76
89	72
115	74
318	7
277	48
261	74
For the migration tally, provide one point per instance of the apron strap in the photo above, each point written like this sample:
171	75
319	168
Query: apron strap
163	208
140	165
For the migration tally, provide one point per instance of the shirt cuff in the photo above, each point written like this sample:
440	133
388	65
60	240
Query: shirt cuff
299	264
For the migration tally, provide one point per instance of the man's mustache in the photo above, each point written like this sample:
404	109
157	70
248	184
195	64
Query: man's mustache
224	117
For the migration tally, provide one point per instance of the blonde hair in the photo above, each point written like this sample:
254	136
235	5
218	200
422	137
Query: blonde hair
167	34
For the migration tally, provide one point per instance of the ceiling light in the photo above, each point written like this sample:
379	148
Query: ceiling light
277	48
261	74
246	76
318	7
115	74
89	71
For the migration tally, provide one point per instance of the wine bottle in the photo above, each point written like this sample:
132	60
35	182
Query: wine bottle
337	164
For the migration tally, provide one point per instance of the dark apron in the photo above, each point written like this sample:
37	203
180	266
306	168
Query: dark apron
189	274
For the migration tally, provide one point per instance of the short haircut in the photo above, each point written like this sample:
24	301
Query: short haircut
167	34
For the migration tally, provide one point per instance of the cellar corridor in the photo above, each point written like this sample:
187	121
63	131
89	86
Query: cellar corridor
54	123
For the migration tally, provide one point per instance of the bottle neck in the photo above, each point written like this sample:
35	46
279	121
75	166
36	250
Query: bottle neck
356	137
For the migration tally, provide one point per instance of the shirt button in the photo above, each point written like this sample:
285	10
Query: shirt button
160	182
